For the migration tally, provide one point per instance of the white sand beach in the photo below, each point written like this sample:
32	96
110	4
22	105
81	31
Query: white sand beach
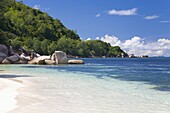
8	93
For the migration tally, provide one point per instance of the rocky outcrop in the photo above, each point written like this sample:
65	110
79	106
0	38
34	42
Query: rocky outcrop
75	62
59	57
10	56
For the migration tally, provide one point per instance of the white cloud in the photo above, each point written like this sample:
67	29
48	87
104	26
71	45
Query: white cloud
123	12
36	7
165	21
97	38
98	15
88	38
134	42
138	46
151	17
113	40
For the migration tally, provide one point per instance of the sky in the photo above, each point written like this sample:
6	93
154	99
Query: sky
137	26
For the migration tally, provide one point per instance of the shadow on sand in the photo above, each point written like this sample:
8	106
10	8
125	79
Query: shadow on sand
12	76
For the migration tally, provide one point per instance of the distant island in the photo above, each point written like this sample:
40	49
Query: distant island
24	27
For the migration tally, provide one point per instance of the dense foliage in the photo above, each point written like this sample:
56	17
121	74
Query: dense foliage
21	25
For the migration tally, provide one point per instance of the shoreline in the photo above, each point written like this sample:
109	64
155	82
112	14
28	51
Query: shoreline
8	94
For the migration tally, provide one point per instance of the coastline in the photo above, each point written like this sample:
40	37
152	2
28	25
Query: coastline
8	94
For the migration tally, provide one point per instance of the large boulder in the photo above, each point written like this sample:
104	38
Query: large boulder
11	59
14	58
59	57
3	55
75	62
39	60
3	49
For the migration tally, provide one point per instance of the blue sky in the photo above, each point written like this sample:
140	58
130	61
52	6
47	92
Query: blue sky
123	19
80	15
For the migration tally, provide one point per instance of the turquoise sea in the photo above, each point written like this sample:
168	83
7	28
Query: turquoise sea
110	85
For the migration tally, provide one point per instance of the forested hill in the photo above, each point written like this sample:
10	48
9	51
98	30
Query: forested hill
23	21
21	25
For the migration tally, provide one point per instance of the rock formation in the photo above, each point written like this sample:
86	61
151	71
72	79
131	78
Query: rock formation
9	56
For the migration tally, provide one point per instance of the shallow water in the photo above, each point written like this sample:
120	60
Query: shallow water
99	86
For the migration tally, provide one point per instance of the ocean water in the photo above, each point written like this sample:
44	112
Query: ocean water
100	86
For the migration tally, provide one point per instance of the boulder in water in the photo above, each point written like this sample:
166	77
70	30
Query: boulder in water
75	62
59	57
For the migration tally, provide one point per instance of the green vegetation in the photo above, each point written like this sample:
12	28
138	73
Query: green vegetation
21	25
